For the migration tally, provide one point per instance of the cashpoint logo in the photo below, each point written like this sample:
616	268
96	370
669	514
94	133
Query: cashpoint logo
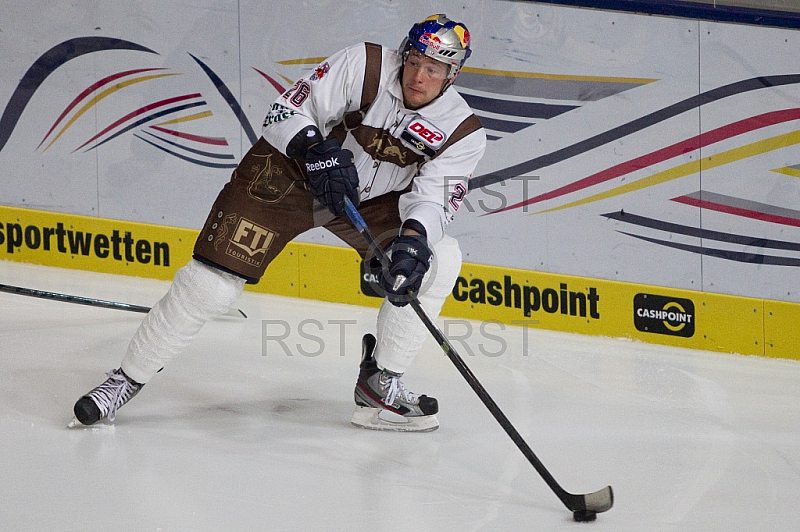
664	315
371	278
528	298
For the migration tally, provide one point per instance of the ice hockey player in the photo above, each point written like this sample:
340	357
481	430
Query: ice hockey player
380	127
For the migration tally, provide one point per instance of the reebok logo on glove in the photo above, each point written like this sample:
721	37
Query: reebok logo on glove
322	165
332	175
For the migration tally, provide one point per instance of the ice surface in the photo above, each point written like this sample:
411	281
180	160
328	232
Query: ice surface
240	434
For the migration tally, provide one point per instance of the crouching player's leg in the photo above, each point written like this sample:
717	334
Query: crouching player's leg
382	400
198	294
255	215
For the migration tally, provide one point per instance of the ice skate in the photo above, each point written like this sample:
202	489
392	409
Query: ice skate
104	401
383	403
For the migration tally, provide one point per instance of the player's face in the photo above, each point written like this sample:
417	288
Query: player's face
423	78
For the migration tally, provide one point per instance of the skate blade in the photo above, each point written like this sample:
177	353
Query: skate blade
97	427
381	419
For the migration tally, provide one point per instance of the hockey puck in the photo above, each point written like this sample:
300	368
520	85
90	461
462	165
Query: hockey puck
584	516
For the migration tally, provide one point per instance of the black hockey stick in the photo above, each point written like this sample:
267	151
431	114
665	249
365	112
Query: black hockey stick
583	507
80	300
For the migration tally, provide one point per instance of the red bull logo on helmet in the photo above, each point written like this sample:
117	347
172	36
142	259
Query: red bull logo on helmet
430	39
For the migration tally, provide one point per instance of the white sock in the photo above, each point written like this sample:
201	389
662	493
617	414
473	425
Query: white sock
198	293
400	331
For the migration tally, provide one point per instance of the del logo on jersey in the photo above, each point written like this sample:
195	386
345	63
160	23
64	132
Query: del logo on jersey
423	136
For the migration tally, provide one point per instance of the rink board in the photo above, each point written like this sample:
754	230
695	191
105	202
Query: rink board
496	297
653	150
112	246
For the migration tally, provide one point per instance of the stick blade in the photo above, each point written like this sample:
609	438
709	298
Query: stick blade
235	313
599	501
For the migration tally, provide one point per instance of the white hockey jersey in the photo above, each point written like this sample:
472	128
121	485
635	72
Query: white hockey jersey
394	148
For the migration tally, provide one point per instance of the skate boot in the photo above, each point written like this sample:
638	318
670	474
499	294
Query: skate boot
383	403
103	401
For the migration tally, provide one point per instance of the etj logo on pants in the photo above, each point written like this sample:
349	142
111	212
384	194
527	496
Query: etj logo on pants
663	315
250	242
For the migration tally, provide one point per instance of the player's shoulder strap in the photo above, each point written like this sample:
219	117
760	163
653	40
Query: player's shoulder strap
469	125
369	91
372	74
372	78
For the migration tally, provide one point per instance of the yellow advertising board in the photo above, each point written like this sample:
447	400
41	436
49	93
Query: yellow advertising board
698	320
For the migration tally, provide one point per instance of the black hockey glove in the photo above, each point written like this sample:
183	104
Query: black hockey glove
332	175
411	258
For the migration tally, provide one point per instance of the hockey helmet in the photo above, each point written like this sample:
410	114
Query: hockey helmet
441	39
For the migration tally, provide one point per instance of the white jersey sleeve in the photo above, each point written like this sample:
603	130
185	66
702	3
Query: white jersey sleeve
320	98
439	188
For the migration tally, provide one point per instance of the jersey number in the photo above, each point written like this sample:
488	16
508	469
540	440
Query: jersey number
457	196
298	94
